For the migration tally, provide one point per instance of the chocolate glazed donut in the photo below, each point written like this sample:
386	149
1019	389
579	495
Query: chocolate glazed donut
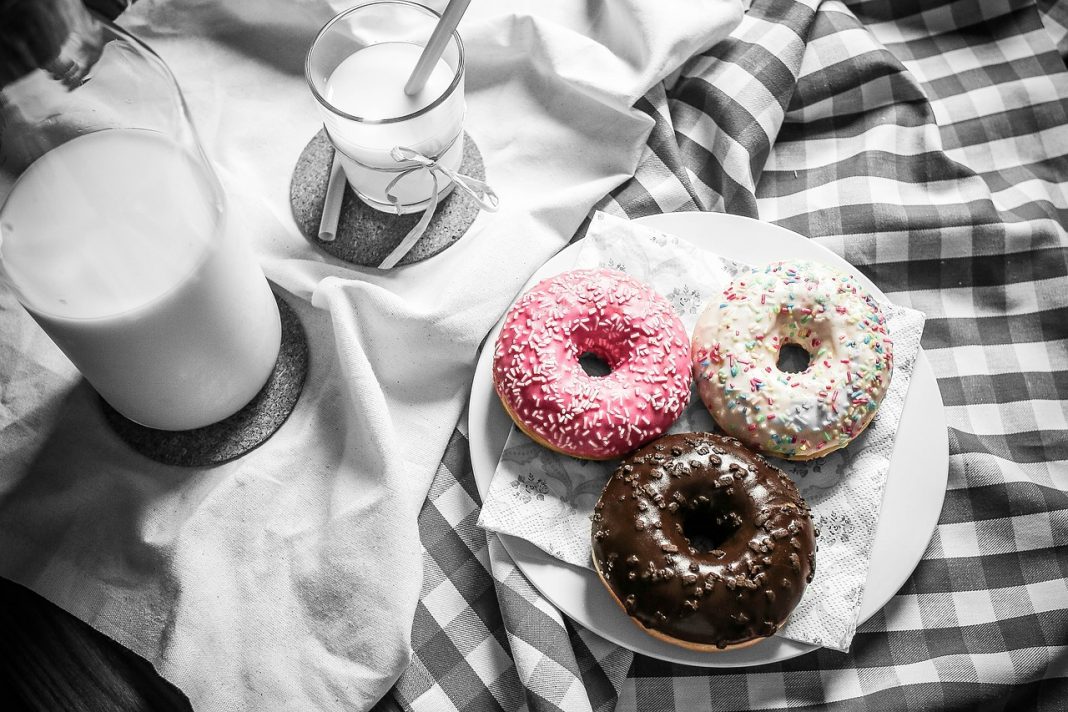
703	543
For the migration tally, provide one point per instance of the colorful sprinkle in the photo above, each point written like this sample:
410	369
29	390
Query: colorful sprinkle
848	343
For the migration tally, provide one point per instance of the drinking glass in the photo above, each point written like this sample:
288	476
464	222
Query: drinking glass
357	68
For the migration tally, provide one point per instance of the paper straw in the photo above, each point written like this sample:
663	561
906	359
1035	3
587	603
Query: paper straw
435	46
335	191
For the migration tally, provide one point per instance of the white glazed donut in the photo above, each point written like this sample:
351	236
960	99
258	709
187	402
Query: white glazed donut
802	415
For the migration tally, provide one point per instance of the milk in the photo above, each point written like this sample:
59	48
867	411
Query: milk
369	84
116	244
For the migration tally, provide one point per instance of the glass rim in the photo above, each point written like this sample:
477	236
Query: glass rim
462	66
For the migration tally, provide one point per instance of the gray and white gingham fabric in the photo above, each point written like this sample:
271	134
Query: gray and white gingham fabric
927	143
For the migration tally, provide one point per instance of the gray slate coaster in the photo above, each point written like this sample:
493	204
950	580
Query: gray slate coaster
365	236
241	432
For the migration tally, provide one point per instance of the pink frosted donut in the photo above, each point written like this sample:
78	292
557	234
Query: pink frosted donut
616	318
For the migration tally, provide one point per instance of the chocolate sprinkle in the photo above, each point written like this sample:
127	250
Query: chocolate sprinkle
742	523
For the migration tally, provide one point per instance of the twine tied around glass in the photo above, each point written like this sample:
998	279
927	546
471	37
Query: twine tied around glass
410	162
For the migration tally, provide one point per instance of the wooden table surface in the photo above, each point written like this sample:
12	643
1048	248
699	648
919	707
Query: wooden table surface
52	662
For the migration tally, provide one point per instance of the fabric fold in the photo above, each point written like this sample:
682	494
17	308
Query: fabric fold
290	577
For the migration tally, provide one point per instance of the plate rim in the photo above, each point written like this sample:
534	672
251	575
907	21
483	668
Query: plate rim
529	559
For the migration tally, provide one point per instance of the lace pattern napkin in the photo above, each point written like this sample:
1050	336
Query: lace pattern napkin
547	498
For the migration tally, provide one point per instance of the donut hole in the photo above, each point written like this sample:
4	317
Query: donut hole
707	527
594	365
793	358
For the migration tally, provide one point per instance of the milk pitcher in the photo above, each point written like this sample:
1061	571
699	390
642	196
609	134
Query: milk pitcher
114	230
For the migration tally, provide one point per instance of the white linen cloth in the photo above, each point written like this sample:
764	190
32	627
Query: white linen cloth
288	580
548	498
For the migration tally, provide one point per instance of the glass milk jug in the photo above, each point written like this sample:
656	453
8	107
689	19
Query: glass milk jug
114	232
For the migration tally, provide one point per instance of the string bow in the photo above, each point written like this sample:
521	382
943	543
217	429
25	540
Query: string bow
412	162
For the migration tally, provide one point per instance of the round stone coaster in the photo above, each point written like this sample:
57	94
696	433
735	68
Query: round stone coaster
241	432
366	236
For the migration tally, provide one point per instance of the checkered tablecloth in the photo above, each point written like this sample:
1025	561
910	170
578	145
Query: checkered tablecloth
927	143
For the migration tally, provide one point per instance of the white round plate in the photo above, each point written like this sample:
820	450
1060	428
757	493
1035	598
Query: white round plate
915	486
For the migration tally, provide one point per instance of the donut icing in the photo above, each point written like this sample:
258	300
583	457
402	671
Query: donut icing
703	542
634	330
797	416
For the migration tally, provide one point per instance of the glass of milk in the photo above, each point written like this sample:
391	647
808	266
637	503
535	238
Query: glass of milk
115	237
357	68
